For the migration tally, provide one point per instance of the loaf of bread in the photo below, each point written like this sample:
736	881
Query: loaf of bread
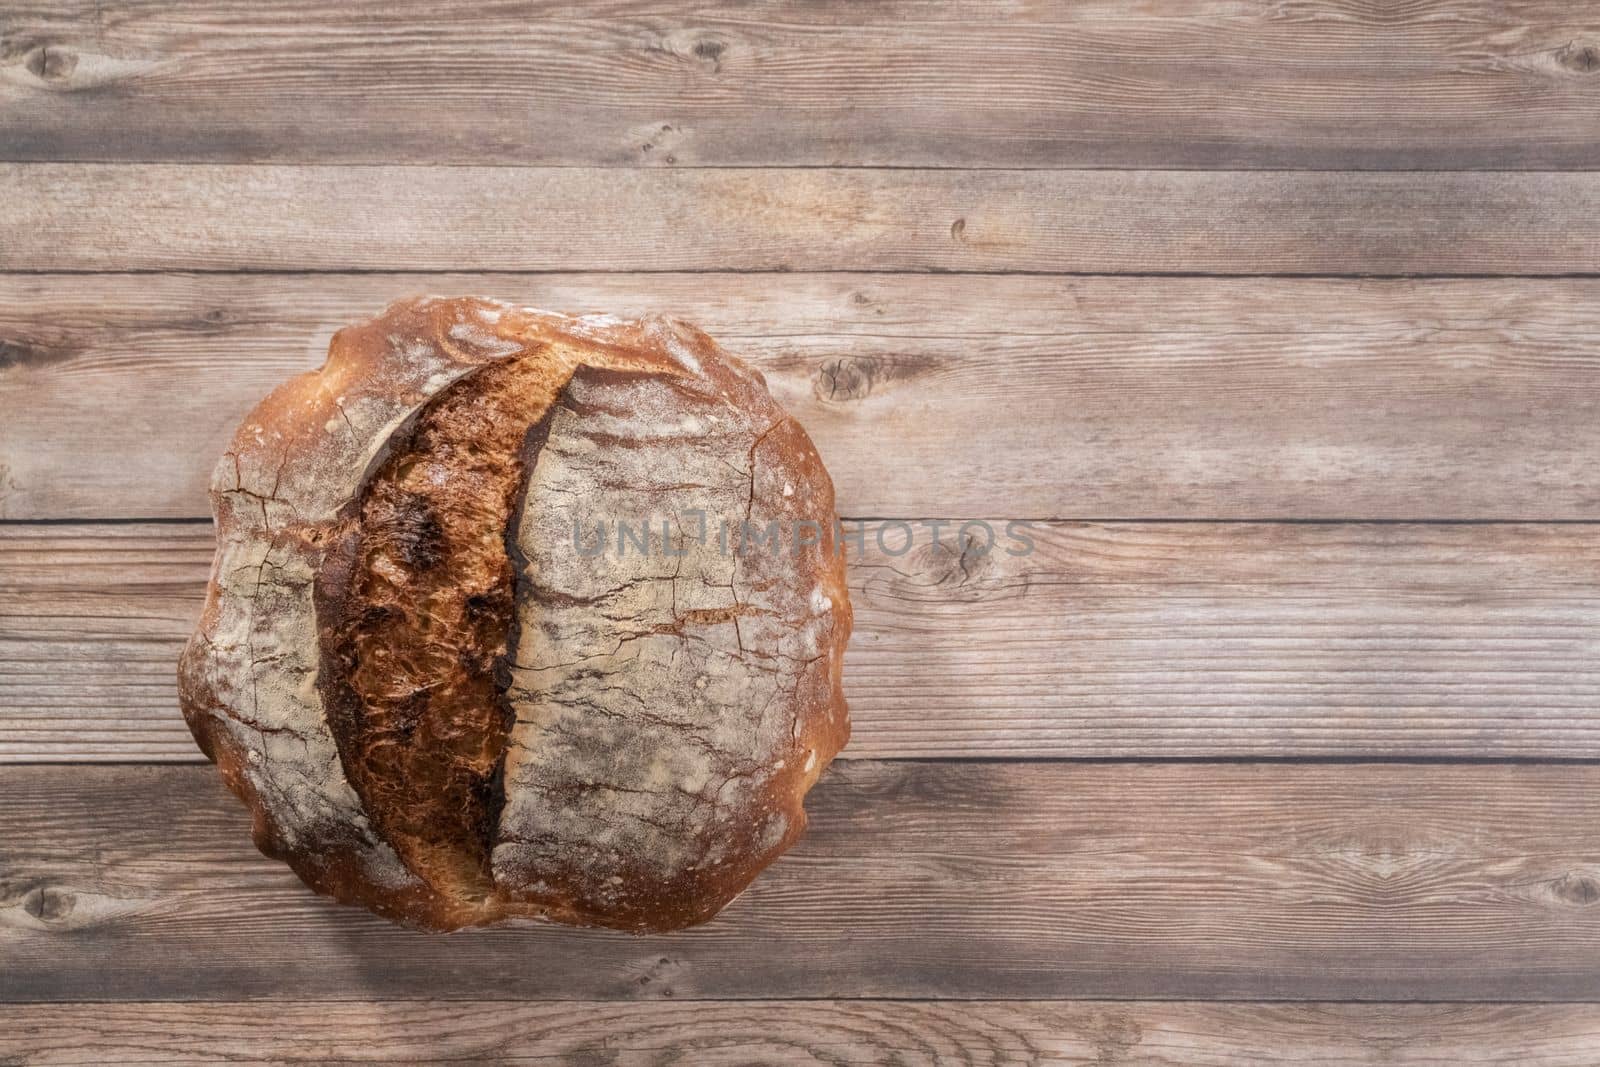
516	614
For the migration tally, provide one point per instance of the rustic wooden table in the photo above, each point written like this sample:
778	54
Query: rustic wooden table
1277	317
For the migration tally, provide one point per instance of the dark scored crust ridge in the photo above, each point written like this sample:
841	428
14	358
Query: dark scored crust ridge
415	612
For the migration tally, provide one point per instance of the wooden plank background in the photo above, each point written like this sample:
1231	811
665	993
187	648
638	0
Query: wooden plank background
1193	398
151	217
1275	320
1125	640
917	879
1344	84
848	1032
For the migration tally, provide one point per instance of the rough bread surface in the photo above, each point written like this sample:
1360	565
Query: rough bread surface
515	614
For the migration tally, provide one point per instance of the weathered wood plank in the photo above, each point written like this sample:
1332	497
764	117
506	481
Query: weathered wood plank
837	1032
1109	640
1308	83
188	217
986	880
929	395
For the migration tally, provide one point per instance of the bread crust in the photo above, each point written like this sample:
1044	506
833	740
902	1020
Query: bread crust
658	719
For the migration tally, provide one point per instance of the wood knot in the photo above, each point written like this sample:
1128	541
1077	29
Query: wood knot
59	68
958	230
955	560
49	904
848	379
865	302
664	138
1581	58
1573	888
656	976
687	46
971	555
15	352
49	63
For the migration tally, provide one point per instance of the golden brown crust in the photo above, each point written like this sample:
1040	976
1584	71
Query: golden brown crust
390	561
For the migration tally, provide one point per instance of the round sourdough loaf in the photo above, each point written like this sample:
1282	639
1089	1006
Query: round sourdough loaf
518	614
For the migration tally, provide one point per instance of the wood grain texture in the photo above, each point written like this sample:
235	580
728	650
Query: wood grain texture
998	880
1025	83
1109	640
932	395
175	217
920	220
835	1033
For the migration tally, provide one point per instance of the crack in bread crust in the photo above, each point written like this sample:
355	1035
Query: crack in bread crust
411	662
